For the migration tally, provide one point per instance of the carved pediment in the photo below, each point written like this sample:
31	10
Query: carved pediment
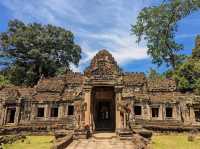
103	64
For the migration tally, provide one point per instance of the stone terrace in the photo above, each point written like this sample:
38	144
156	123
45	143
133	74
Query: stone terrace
101	144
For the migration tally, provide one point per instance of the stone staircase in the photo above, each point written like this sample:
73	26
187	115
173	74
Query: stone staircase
125	134
81	134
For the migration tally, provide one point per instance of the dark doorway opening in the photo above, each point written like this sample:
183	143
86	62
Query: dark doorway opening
103	108
10	115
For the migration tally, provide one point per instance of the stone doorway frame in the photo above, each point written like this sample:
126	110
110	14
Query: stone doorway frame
88	121
95	101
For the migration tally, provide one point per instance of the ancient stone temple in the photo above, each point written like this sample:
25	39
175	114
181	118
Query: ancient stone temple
103	98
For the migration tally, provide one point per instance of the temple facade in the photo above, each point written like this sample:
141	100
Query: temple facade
103	98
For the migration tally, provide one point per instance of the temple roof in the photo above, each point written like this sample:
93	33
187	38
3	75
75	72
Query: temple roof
47	96
9	93
161	85
134	78
74	78
54	84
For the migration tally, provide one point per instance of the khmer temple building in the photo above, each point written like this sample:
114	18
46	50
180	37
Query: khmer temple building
102	98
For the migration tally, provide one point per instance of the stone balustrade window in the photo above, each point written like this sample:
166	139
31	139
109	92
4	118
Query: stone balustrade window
155	112
197	115
40	112
70	110
169	112
10	115
54	112
137	110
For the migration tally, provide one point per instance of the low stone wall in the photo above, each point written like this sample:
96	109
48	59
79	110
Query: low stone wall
11	138
62	143
171	129
38	130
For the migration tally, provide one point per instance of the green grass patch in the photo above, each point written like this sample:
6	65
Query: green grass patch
174	141
32	142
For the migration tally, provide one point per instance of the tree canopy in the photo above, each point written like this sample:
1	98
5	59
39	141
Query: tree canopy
158	25
188	73
38	50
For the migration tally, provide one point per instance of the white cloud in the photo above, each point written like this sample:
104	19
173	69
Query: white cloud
97	24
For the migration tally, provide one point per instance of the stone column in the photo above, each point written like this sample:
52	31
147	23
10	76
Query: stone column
5	115
2	114
33	111
17	114
174	110
46	112
192	114
146	111
160	112
118	98
124	120
61	111
87	100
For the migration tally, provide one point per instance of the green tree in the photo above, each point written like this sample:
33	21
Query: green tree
158	25
4	80
188	73
38	50
196	50
153	74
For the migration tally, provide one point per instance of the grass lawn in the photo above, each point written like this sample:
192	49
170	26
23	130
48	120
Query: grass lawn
174	141
32	142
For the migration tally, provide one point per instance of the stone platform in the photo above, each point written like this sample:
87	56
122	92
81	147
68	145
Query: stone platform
93	143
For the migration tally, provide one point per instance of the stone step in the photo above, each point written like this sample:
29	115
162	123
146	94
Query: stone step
101	136
126	138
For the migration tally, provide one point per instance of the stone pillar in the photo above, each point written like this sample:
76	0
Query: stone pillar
124	120
118	98
146	113
46	112
174	110
5	115
192	114
87	100
61	111
160	112
17	115
2	114
33	111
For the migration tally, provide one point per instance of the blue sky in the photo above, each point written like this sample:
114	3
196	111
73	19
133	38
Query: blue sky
98	24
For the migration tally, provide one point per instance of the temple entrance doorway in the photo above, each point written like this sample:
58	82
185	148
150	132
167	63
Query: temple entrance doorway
103	108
